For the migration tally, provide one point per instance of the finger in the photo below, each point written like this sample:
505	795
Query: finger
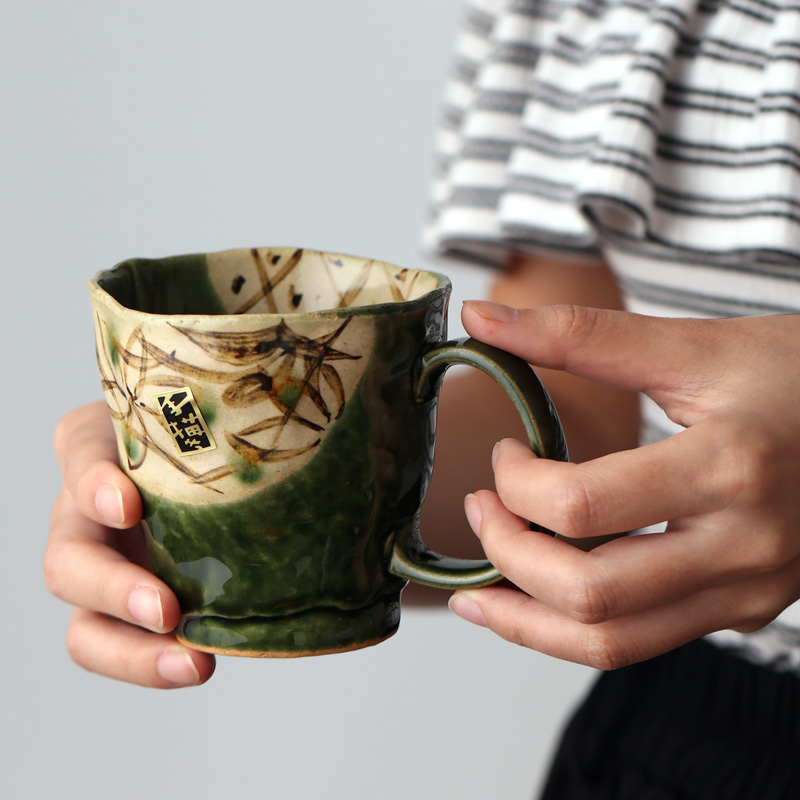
109	647
623	491
620	578
530	623
87	450
747	606
631	351
81	568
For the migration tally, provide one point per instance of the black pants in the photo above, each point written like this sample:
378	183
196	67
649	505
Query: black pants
694	723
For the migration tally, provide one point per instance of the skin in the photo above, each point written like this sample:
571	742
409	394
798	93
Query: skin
730	557
95	561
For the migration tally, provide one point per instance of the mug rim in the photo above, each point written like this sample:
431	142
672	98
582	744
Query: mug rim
101	294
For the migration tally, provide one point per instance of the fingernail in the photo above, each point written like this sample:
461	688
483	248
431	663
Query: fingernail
472	508
144	605
108	502
496	312
176	666
462	605
494	456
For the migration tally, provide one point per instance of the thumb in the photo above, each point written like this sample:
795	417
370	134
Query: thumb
631	351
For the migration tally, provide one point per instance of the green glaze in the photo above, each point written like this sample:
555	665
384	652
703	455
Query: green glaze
411	559
313	562
313	546
175	285
317	631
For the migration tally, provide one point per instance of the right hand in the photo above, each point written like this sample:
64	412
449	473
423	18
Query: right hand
95	560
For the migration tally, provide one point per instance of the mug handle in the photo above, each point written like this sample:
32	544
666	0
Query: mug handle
411	559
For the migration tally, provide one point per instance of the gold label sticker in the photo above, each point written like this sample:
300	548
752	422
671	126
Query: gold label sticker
185	422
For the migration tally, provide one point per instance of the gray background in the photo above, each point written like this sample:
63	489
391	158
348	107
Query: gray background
155	128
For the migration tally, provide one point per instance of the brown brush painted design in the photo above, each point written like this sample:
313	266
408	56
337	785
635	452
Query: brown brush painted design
276	280
256	368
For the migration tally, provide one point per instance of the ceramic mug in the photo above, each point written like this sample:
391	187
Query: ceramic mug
276	409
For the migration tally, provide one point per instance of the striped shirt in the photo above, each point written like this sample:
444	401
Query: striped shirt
661	137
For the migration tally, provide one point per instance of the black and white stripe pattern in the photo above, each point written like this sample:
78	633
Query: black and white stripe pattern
659	136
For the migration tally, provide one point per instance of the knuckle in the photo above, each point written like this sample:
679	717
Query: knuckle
64	430
573	509
505	486
76	643
515	634
753	625
516	631
753	470
771	553
763	604
90	646
750	466
60	434
107	594
52	569
587	601
573	321
605	652
60	514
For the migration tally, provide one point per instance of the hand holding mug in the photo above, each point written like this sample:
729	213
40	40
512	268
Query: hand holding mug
95	560
726	485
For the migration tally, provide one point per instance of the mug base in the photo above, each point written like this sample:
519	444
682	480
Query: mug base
314	632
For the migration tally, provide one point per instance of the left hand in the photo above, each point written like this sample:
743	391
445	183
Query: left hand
727	486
